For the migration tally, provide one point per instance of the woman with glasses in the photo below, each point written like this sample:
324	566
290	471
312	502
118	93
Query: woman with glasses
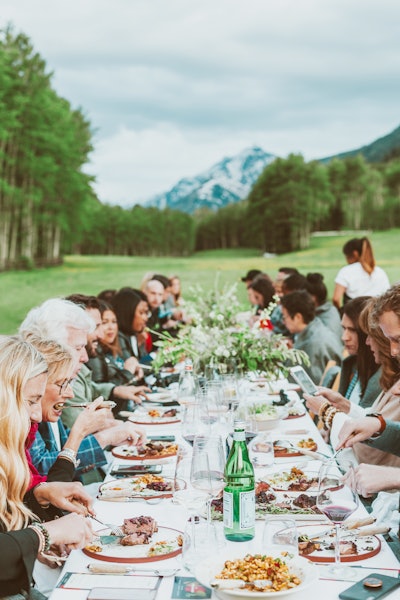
94	429
23	377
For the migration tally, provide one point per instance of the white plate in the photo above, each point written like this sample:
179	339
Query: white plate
161	397
208	568
136	554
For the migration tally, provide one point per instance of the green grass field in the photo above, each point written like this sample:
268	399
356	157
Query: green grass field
21	290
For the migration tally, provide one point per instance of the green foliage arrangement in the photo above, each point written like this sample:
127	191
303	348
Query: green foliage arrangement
219	335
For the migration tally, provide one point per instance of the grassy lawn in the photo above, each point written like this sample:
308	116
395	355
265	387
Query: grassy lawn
21	290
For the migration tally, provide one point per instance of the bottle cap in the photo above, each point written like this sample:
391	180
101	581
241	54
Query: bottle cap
238	424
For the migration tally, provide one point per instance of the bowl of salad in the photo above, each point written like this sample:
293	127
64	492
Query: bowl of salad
264	416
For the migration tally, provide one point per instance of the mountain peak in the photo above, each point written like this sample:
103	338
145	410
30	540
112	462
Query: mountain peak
227	181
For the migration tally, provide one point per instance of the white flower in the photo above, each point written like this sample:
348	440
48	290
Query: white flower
220	317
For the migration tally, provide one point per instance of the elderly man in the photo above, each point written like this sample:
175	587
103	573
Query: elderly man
70	325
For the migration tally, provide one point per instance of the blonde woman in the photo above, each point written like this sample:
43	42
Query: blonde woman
23	377
94	429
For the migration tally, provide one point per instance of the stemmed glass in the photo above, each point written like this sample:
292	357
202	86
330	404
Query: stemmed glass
195	421
207	470
337	499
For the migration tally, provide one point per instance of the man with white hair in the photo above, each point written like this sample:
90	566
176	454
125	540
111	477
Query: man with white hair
71	325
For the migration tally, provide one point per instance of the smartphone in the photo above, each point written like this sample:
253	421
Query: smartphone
161	438
101	593
361	591
122	471
304	380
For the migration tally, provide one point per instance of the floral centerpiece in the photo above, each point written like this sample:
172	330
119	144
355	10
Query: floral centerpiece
220	335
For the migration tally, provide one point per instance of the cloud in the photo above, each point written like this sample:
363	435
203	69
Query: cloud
171	86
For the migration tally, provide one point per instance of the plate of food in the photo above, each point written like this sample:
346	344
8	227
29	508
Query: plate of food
140	486
155	417
317	543
295	411
285	449
148	451
255	576
273	387
268	502
136	540
296	480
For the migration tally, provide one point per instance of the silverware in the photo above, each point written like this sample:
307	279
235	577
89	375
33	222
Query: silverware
123	569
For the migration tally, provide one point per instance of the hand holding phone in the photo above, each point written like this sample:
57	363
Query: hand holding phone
304	380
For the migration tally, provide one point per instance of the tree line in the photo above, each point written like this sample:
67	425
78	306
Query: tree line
48	207
292	198
43	145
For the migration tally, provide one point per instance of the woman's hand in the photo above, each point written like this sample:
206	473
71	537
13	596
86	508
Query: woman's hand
132	364
354	431
69	496
72	531
336	399
370	479
92	419
314	403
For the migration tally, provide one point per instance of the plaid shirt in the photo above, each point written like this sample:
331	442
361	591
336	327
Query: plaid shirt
44	450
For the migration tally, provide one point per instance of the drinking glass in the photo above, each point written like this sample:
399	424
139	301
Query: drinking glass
200	540
262	450
337	499
193	500
280	537
207	469
195	421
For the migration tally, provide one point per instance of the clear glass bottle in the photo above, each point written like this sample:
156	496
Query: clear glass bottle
187	384
239	496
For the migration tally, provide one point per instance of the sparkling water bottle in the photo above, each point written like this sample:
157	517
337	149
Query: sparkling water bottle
239	495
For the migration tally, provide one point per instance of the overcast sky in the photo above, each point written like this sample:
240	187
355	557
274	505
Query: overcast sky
172	86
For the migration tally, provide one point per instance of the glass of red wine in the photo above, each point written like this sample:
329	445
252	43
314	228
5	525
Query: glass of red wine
337	499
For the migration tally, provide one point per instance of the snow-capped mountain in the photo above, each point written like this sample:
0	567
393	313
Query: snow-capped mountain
225	182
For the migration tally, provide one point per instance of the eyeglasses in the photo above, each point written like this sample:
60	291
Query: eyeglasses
64	385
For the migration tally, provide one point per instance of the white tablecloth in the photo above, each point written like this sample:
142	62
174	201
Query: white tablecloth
168	514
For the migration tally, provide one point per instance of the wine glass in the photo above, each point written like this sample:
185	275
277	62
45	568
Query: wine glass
337	499
195	421
193	500
207	470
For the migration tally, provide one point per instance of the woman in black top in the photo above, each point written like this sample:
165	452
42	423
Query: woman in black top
22	382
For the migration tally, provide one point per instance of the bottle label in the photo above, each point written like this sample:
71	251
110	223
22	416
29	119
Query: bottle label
228	509
239	436
246	510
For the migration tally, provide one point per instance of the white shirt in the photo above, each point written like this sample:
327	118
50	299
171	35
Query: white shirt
358	283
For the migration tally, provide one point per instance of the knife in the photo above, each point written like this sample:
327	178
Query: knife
125	569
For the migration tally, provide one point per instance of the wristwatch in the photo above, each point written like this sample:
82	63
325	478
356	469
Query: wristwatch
382	422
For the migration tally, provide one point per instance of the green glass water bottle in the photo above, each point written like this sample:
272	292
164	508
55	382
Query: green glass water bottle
239	496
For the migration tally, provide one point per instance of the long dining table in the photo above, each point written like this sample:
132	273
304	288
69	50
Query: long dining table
170	514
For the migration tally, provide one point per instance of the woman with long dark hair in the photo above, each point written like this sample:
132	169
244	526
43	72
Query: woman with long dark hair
361	276
359	377
132	310
113	362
